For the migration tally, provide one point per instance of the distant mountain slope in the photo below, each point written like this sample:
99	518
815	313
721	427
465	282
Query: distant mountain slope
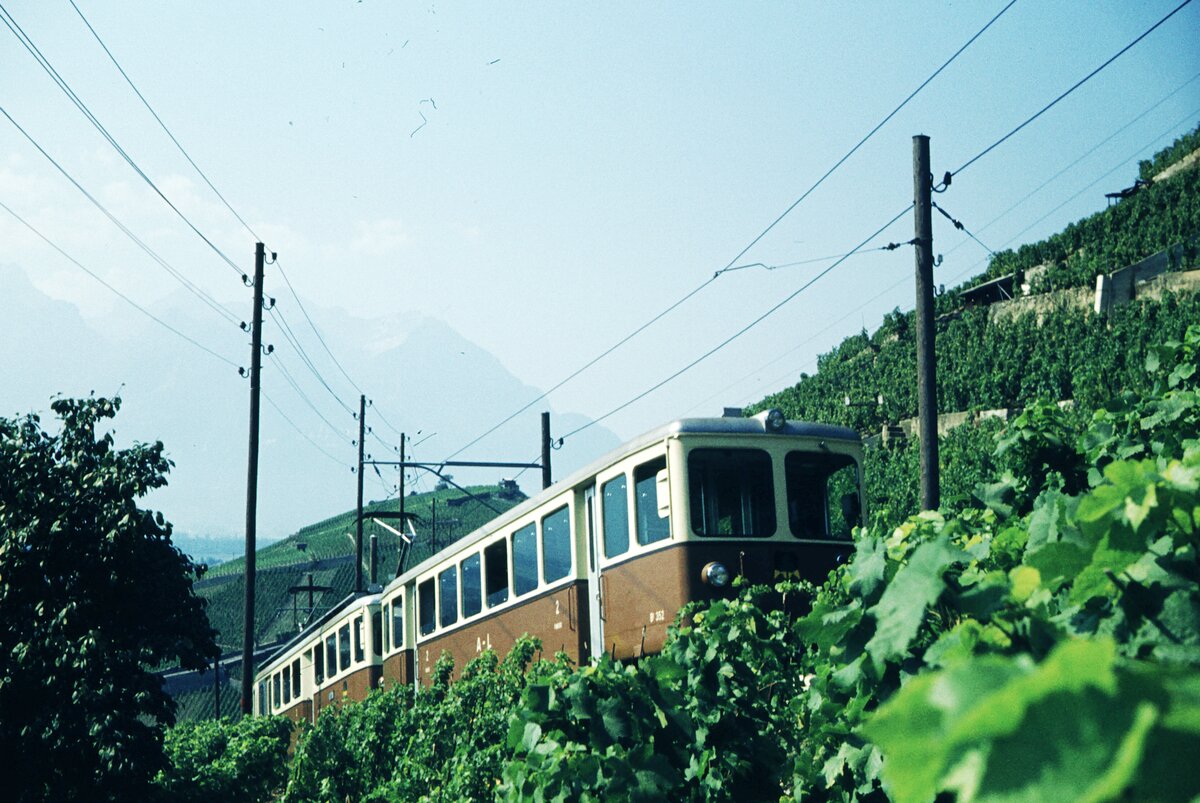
423	376
326	549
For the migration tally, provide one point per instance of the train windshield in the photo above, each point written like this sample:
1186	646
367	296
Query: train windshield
822	494
732	493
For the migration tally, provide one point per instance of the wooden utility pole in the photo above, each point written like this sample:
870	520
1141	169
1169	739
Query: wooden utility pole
546	450
252	484
927	414
358	532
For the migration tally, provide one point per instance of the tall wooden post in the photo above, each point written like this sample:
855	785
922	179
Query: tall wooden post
927	413
546	450
252	484
358	529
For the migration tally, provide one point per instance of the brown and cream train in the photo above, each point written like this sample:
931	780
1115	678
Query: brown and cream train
598	563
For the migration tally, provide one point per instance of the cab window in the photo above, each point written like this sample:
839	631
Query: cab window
822	493
731	493
650	526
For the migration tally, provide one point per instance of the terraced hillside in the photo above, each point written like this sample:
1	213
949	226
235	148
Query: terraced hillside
326	551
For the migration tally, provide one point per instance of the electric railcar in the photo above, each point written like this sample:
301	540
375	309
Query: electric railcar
598	563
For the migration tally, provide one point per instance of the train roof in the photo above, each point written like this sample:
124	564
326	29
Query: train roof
755	425
314	626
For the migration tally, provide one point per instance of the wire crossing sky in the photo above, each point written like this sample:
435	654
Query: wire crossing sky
474	202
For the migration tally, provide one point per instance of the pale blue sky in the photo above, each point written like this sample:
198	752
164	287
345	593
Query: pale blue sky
584	166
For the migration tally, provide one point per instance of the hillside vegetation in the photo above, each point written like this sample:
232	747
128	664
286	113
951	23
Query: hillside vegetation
326	550
1036	639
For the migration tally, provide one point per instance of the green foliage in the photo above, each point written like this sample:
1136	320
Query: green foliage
715	716
235	760
329	555
92	595
1185	145
444	743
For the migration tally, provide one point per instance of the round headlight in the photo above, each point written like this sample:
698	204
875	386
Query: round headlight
775	420
715	574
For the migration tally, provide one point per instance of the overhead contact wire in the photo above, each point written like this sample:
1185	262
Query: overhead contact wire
167	130
44	63
1073	87
115	291
730	265
741	331
188	285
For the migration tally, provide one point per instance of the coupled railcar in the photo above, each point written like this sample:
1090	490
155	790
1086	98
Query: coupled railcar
598	563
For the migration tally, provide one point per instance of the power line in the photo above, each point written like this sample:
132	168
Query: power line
1119	165
45	64
304	396
958	225
290	336
1075	86
730	265
188	285
302	433
117	292
316	331
149	108
740	332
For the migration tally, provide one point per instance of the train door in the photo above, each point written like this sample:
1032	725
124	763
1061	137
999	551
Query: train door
594	581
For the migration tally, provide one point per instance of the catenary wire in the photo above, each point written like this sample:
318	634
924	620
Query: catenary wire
1075	86
302	433
163	125
740	332
45	64
1119	165
187	284
290	335
1135	119
753	242
287	375
115	291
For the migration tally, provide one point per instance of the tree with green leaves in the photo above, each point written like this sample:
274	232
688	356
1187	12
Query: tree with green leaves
93	596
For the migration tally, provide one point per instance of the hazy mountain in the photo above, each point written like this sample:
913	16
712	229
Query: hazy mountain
422	374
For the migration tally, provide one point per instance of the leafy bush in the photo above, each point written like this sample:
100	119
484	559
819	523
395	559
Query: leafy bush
447	742
234	760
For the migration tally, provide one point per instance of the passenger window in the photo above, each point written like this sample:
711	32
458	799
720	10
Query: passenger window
262	698
524	548
287	687
822	492
376	633
426	608
495	564
358	641
650	526
384	624
318	655
472	588
296	678
331	654
398	623
344	647
448	592
732	493
556	545
275	689
616	517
